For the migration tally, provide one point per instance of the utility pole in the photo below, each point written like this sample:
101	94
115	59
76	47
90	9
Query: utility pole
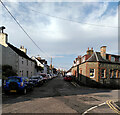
51	66
51	61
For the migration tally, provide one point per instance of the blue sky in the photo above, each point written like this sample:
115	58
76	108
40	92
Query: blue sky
61	39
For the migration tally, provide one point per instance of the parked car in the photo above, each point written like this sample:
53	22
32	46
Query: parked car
54	75
67	78
45	77
17	84
37	80
49	77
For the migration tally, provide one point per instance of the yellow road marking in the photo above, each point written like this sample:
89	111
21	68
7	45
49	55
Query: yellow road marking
112	106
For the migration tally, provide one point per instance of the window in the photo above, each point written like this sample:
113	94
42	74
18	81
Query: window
114	76
119	59
22	72
103	73
13	79
22	62
112	58
27	73
27	62
80	71
92	73
110	73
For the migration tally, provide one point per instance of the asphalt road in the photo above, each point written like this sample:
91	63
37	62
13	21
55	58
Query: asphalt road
58	96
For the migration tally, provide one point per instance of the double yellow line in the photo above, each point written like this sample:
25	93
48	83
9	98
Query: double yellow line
112	105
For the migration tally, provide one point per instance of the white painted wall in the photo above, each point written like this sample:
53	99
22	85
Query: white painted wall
25	66
9	57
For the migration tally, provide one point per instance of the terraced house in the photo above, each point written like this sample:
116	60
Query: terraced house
99	67
21	63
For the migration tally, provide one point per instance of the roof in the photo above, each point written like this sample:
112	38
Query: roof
19	52
42	61
96	57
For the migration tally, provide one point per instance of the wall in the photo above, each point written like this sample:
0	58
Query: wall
0	61
92	65
9	57
107	80
97	81
26	65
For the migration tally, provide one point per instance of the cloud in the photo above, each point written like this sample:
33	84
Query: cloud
61	38
57	56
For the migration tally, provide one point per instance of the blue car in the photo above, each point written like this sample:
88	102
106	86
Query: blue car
17	84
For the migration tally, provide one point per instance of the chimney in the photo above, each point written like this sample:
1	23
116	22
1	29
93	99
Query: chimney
3	37
39	58
103	52
23	49
90	52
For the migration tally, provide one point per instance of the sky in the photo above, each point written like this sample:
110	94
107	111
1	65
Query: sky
49	24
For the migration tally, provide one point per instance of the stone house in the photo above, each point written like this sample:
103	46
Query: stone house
98	67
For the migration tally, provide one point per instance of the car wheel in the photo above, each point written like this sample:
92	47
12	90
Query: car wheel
25	91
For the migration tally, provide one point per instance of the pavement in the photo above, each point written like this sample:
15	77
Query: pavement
59	96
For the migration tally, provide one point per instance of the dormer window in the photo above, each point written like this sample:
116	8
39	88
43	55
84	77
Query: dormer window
112	58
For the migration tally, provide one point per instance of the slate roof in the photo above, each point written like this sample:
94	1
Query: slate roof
96	57
19	52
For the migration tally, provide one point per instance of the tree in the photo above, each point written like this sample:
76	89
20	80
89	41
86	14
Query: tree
7	71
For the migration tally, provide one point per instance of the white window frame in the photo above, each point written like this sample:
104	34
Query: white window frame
94	73
104	73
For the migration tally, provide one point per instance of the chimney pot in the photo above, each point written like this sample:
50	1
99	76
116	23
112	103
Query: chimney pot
103	52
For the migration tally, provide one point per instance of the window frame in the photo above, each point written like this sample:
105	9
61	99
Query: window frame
112	57
114	73
94	73
103	68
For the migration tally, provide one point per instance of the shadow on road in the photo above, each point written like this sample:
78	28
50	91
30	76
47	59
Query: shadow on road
53	88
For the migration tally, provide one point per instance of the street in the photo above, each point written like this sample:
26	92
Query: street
59	96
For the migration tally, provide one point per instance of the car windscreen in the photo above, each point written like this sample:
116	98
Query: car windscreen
13	80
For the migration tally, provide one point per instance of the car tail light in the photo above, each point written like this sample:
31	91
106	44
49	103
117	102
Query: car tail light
21	84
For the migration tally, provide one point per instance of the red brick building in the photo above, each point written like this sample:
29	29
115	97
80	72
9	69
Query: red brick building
97	66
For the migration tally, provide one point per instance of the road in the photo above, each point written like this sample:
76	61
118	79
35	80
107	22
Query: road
59	96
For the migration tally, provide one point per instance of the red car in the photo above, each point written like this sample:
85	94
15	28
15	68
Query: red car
67	78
